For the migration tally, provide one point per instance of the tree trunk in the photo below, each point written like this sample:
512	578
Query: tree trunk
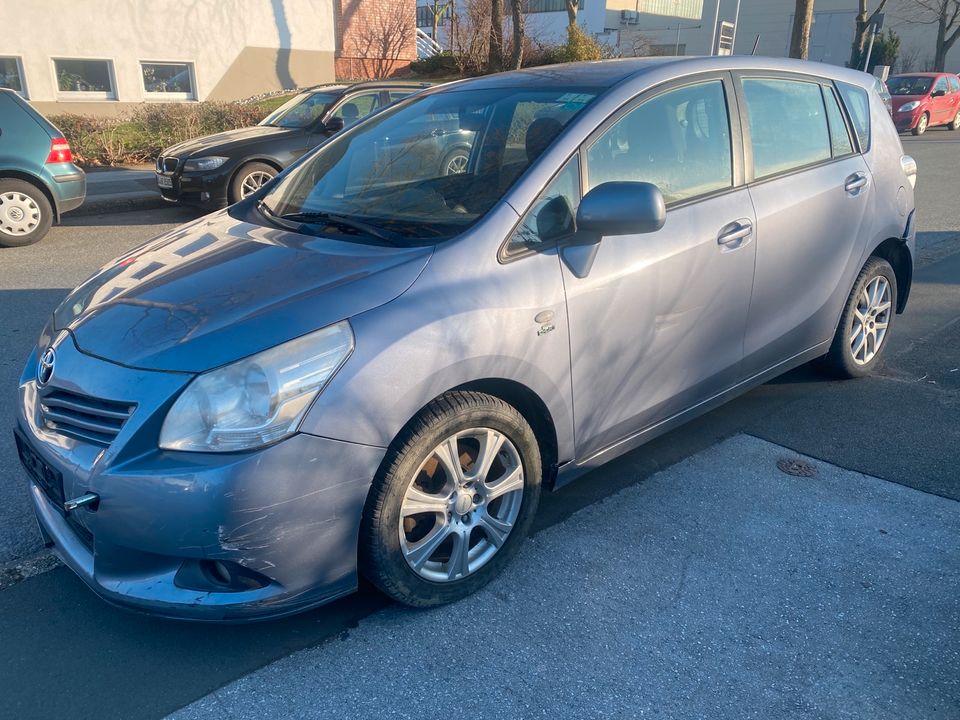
802	24
516	59
572	6
861	33
495	56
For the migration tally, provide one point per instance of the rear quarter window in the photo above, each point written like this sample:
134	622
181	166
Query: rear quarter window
857	102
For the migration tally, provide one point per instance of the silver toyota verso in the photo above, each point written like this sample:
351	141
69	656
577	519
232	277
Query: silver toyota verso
375	364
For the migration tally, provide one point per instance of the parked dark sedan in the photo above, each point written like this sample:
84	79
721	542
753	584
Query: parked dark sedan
220	169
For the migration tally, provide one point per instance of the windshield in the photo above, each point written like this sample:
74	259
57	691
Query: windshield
909	85
301	110
428	169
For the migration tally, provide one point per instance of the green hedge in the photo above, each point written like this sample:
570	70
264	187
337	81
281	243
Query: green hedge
142	134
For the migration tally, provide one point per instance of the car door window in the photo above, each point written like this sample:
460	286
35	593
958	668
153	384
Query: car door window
357	107
678	140
858	106
954	84
396	95
940	86
552	215
788	125
839	137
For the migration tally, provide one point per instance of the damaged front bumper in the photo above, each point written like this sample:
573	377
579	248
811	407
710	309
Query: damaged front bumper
191	535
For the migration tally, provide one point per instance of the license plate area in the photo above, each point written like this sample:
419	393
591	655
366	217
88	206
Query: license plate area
164	181
48	479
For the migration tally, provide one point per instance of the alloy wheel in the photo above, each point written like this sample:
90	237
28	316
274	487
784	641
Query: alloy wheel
253	182
456	165
19	214
461	505
870	320
922	124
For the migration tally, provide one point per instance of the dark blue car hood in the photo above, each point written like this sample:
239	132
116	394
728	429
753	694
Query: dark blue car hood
220	289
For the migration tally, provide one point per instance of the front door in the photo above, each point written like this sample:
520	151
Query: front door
657	320
811	191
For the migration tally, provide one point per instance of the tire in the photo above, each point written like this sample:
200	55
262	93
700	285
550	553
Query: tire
876	279
922	125
249	178
401	520
25	213
455	162
955	123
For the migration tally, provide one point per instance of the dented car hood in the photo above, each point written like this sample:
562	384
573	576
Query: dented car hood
221	288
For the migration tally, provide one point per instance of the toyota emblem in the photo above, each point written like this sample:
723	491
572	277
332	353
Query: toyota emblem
45	366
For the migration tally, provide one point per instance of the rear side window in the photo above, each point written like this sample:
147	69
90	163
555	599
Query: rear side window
858	105
788	125
954	84
839	137
679	141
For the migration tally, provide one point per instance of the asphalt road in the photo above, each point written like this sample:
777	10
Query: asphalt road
901	426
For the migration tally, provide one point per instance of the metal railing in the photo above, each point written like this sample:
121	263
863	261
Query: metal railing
426	46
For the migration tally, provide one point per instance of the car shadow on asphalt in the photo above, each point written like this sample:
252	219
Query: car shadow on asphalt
161	215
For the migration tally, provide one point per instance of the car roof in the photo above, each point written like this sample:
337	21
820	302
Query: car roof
609	73
369	84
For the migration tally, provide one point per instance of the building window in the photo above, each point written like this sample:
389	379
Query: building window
168	80
543	6
91	79
11	75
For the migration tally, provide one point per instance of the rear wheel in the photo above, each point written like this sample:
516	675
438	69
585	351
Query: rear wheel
921	126
455	163
250	178
453	502
25	213
865	323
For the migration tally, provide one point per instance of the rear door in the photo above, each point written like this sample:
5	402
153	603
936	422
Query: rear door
810	189
941	102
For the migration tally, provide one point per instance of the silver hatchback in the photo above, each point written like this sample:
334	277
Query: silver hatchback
374	365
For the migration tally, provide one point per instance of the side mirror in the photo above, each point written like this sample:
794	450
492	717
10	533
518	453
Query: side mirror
622	208
333	125
938	93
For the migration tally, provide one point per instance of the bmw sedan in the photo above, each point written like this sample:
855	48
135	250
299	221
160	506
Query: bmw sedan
215	170
374	368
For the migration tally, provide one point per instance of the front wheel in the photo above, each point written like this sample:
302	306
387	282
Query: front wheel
865	322
25	213
921	126
453	501
250	178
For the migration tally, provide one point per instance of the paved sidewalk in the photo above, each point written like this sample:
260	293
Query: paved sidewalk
720	588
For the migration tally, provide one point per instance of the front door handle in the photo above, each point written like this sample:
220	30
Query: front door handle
855	182
735	234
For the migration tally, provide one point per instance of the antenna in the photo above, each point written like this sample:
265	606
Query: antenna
755	43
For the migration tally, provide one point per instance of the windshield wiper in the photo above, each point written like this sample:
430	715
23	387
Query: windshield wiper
316	217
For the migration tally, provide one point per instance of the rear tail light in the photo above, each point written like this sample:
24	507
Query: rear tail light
60	151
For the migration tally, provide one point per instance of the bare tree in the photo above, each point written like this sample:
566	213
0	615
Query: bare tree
802	25
495	55
945	14
909	59
516	52
438	10
864	21
384	40
471	35
572	7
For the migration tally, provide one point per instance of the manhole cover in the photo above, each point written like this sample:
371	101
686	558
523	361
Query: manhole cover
796	467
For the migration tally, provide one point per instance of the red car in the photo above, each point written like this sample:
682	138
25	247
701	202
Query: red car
922	100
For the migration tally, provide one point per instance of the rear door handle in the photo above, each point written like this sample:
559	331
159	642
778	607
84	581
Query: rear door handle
855	182
735	234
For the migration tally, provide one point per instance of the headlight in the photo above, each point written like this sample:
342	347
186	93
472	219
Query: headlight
907	107
258	400
203	164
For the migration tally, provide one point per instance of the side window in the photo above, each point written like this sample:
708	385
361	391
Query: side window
358	107
941	86
788	124
858	106
954	84
552	215
396	95
679	141
839	137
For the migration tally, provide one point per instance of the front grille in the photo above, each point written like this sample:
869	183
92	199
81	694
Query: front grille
167	164
83	417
